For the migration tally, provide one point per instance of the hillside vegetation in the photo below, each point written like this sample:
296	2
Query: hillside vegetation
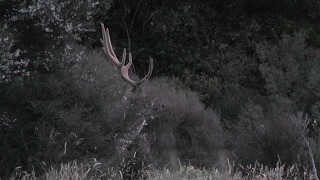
234	94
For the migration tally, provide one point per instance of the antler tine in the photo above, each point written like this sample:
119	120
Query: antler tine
149	71
107	46
124	69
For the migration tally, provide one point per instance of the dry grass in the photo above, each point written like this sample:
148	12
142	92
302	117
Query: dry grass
79	171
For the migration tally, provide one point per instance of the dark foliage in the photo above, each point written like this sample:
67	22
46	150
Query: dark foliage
251	64
80	113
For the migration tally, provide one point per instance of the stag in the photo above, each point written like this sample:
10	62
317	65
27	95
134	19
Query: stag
163	132
125	139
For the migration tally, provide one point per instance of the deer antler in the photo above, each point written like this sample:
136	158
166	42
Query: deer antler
123	69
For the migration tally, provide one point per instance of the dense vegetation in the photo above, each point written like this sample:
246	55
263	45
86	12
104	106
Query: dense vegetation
233	81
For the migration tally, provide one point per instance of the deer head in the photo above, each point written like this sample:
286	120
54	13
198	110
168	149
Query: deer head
122	67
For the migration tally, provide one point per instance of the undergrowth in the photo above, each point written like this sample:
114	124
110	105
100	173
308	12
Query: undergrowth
96	170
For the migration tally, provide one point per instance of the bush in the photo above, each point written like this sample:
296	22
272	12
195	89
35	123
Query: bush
268	132
82	113
291	69
180	126
61	116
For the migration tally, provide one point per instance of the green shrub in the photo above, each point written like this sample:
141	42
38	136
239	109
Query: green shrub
291	69
181	127
268	132
88	111
60	116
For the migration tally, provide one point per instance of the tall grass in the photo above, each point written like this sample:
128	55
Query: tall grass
95	170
